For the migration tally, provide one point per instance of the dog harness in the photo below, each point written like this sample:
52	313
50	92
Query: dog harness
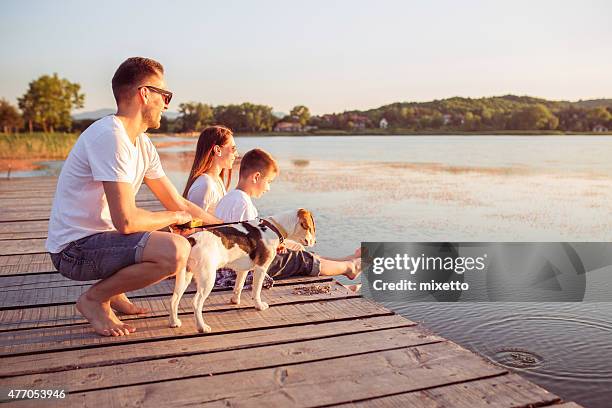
275	228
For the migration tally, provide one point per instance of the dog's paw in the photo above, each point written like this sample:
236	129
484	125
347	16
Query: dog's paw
235	300
204	328
175	323
261	306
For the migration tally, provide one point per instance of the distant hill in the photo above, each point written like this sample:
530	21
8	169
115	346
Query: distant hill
503	103
497	113
97	114
594	103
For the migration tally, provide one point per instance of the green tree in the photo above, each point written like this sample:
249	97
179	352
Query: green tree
48	102
194	116
246	117
598	116
534	117
10	118
302	113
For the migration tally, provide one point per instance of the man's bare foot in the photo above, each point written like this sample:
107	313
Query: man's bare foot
102	318
354	269
122	304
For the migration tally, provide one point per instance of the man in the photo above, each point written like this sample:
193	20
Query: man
96	231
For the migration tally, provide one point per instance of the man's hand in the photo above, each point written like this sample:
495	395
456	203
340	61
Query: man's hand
182	217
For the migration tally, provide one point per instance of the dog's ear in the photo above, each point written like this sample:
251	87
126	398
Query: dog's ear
306	219
192	241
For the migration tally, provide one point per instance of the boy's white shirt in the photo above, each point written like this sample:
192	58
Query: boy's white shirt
236	206
206	193
103	152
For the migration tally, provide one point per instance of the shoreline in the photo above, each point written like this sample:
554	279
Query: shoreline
399	132
32	163
22	164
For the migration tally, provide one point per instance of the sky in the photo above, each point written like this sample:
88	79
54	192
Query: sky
328	55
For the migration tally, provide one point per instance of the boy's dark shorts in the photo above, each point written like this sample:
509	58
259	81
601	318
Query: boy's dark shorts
100	255
294	263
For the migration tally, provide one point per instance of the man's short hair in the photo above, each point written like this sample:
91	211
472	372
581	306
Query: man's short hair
131	73
257	160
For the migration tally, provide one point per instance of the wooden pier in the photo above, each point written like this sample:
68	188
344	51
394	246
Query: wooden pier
326	349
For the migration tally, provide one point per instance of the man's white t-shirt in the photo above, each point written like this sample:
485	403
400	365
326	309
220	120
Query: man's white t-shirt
103	152
206	192
236	206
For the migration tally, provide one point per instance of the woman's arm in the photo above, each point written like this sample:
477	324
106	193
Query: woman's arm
170	198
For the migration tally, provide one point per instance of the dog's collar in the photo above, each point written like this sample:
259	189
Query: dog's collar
276	227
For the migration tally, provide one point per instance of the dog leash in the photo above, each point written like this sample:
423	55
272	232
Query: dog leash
198	226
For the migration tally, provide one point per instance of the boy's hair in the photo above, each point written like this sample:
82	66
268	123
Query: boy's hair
131	73
257	160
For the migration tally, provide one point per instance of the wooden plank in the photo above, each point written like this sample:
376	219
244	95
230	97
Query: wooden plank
79	336
12	198
226	361
37	214
22	246
63	295
68	294
26	264
331	381
176	347
45	203
24	226
4	236
33	281
498	392
37	183
50	280
66	314
40	180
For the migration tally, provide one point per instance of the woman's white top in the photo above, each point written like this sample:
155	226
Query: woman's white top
206	192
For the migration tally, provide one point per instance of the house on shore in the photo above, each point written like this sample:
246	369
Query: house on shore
287	127
383	124
358	122
600	128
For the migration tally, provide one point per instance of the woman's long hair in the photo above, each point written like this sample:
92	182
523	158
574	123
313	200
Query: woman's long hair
202	162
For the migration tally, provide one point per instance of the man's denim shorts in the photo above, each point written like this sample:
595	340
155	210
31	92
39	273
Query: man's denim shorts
100	255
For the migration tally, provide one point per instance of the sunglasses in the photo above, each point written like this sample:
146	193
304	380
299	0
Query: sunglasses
166	95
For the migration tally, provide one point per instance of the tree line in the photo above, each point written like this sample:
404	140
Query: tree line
501	113
49	100
246	117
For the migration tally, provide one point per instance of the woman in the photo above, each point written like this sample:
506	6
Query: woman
211	172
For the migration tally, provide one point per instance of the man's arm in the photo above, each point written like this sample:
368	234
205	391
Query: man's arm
165	191
128	218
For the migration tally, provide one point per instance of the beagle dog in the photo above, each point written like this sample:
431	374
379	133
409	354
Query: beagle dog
244	246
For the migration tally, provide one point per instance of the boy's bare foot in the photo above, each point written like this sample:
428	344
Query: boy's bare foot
355	288
354	269
102	318
122	304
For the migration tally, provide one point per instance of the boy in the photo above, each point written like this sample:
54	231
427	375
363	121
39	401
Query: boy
257	171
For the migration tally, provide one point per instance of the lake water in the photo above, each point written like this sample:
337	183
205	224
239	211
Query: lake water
461	188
